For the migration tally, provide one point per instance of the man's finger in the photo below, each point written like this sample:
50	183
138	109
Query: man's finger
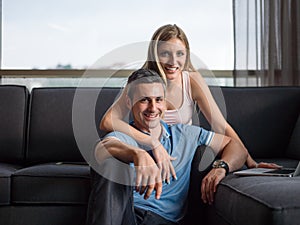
203	188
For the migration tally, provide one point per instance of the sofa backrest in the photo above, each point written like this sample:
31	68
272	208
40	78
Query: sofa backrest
89	106
107	96
53	118
13	114
264	117
50	133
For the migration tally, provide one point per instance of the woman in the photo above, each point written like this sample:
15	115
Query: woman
169	55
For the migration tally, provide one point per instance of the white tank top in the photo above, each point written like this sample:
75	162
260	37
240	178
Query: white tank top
185	112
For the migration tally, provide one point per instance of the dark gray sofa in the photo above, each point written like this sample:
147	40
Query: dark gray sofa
44	177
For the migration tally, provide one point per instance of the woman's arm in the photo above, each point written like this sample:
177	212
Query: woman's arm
206	102
202	95
115	120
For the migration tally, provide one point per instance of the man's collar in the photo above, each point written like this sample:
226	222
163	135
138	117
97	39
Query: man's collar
132	124
166	130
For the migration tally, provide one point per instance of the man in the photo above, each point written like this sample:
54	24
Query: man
125	165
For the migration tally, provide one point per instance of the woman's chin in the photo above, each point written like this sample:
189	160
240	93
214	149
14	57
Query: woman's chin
172	76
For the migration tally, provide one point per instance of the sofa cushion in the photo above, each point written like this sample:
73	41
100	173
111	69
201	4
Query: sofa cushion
50	135
107	96
61	121
43	215
6	170
266	200
59	183
89	105
294	149
13	112
264	117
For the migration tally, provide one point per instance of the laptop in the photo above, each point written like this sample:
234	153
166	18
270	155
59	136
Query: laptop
282	172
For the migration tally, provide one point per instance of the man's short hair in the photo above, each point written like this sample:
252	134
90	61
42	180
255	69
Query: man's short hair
143	76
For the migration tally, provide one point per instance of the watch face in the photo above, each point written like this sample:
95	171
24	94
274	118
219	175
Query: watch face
222	164
219	164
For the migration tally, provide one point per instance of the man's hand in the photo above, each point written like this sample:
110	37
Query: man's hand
163	160
148	176
209	184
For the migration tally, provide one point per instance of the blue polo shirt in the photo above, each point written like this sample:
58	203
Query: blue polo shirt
181	141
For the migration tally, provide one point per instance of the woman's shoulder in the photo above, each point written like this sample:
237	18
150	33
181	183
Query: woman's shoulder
193	74
195	77
197	83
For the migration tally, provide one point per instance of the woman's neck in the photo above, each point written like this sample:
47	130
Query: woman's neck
174	93
175	83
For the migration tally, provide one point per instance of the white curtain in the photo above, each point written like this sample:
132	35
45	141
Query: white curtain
267	42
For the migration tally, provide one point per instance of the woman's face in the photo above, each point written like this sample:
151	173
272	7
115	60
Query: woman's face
172	57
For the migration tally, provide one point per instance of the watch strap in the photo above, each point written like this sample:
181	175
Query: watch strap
221	164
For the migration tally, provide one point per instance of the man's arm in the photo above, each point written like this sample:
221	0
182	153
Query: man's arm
147	173
230	150
233	153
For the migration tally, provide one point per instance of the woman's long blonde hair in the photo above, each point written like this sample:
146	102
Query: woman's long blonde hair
163	34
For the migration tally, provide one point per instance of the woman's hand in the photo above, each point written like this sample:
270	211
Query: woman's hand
267	165
252	164
163	160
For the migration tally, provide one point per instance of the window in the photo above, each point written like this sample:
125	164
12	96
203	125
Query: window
74	34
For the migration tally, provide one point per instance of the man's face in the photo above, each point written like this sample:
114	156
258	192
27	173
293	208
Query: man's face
148	106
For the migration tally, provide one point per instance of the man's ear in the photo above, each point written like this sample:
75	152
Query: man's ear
128	102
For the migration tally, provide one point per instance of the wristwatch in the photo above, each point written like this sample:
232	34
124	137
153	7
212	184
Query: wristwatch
221	164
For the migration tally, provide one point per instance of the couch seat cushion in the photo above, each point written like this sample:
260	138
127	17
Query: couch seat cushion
6	170
259	200
54	183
